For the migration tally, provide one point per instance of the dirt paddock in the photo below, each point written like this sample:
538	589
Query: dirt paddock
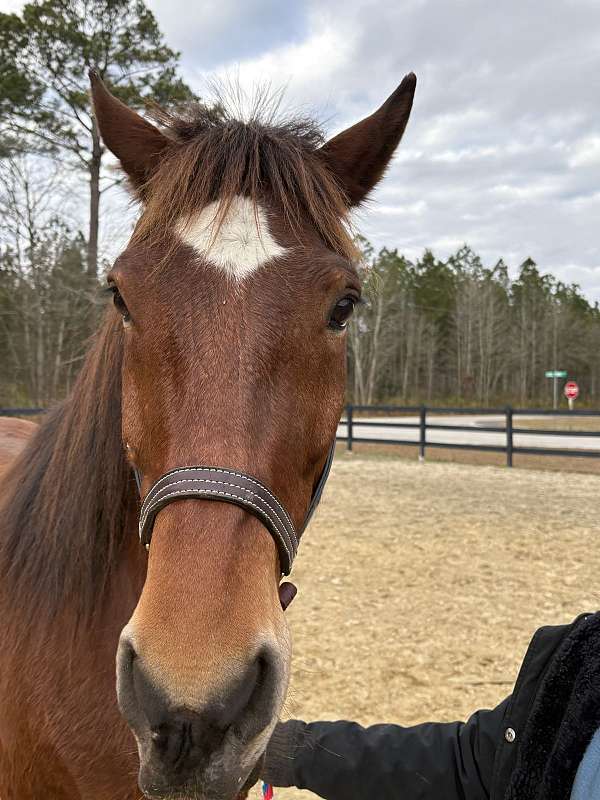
420	585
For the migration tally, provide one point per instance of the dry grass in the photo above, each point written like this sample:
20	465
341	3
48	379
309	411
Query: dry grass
559	423
421	585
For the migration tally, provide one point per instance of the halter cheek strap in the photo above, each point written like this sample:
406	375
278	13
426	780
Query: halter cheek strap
230	486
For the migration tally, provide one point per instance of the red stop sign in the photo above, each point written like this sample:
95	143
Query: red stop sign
571	390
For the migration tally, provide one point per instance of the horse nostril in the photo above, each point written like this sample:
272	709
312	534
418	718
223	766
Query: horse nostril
250	707
160	737
125	657
126	694
240	697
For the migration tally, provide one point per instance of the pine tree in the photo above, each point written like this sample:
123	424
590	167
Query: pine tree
45	55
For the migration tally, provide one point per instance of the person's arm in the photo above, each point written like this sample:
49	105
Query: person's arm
344	761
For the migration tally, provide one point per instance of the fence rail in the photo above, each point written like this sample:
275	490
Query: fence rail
422	424
21	412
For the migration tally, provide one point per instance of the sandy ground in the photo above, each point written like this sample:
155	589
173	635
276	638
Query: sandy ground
420	585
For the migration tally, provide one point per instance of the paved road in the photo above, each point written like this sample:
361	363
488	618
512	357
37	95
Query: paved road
468	437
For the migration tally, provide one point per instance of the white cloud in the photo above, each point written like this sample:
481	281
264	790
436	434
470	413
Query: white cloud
527	193
411	209
11	6
586	153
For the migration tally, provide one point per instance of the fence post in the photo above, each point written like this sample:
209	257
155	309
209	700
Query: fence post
509	436
422	432
349	427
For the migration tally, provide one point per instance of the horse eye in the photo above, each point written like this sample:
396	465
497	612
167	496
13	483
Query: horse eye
341	313
119	303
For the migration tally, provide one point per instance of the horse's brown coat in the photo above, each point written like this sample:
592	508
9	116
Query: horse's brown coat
244	375
14	435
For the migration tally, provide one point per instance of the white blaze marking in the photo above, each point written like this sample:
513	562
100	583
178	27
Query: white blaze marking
241	245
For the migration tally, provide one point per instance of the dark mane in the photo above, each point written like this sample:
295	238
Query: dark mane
216	157
63	511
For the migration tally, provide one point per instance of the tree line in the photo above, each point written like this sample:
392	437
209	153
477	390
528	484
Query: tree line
452	331
456	331
50	149
48	302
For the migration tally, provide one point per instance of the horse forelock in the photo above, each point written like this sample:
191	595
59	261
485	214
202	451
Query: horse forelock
215	159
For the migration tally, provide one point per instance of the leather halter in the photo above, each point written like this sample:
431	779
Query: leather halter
230	486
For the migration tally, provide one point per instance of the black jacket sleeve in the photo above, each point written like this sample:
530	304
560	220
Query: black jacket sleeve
344	761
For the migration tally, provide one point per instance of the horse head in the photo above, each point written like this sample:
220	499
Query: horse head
232	298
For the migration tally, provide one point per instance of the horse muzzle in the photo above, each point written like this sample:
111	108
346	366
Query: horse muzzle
208	749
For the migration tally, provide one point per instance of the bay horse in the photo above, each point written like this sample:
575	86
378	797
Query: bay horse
224	345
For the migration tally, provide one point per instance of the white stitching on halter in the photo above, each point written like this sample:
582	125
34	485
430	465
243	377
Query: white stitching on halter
222	471
146	511
233	497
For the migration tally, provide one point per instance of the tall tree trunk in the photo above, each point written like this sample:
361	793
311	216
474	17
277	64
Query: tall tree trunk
40	392
58	359
95	161
374	348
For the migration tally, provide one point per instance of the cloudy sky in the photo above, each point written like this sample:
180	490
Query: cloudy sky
503	147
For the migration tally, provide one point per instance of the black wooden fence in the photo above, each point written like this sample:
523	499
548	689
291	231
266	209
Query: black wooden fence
422	423
21	412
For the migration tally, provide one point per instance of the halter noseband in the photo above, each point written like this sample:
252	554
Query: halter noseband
230	486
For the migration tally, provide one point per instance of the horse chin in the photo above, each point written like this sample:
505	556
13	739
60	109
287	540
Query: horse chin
201	787
191	791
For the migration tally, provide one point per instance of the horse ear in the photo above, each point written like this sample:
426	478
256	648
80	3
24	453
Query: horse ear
358	157
135	142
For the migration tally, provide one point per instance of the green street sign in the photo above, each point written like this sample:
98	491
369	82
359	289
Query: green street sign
556	373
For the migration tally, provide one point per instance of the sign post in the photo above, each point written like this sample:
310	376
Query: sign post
571	393
556	374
